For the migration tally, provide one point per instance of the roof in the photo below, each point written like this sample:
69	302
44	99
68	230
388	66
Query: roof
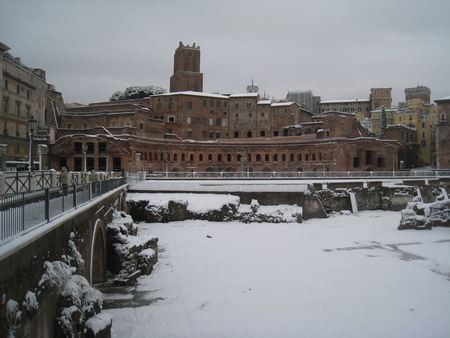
282	104
344	101
264	102
245	95
192	93
446	98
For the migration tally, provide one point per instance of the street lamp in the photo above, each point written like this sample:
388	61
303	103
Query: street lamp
84	148
32	125
2	156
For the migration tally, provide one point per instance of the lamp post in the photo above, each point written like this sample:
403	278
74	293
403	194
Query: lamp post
32	125
2	156
42	150
84	148
138	165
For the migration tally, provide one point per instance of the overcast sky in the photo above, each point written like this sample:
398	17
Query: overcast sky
336	48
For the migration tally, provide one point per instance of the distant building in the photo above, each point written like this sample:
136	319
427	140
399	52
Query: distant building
252	88
380	96
419	92
22	95
186	69
443	133
303	98
355	106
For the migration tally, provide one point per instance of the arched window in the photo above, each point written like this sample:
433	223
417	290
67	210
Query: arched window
183	156
219	157
238	157
228	157
283	157
175	157
291	157
209	157
200	157
191	157
258	157
275	157
299	157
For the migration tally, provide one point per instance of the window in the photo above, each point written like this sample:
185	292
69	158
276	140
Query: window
380	162
262	114
291	157
183	157
141	126
6	84
211	134
267	158
90	148
283	157
188	120
219	158
275	157
275	133
249	105
211	122
263	133
171	119
236	134
18	108
299	157
204	134
127	124
175	157
236	105
307	157
258	157
170	103
191	157
238	157
102	147
228	157
189	134
189	104
217	134
85	126
78	147
218	122
355	162
209	157
200	157
5	104
313	156
224	122
249	134
369	156
28	94
69	126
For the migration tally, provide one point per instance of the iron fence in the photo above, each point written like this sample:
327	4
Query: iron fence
25	211
296	175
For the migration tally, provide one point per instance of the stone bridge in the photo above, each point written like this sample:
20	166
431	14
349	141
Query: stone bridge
22	259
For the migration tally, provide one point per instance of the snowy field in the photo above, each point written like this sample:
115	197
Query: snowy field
345	276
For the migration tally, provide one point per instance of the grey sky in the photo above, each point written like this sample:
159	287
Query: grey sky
337	48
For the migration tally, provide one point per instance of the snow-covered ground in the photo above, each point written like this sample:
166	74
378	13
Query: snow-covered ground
345	276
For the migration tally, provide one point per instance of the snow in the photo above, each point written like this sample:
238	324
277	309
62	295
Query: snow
344	101
30	303
99	322
281	104
245	95
344	276
197	203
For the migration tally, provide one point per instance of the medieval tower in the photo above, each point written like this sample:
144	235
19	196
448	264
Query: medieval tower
186	69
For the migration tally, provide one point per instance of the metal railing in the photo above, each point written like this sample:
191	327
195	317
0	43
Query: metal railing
24	181
296	175
24	211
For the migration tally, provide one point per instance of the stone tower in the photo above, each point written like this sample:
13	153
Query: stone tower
186	69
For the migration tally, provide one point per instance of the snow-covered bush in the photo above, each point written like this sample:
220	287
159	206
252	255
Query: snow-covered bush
137	92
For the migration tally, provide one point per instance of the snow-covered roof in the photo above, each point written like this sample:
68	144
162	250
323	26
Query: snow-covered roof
282	104
338	113
446	98
400	126
264	102
345	101
245	95
192	93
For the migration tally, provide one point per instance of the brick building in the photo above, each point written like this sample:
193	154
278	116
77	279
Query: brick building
186	69
443	133
420	92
